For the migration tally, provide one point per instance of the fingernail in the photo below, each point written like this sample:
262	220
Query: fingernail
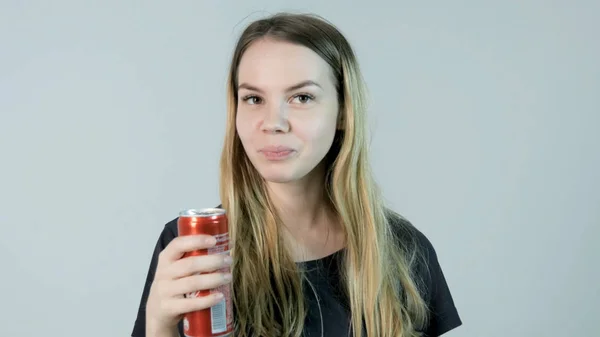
227	260
218	295
227	277
211	241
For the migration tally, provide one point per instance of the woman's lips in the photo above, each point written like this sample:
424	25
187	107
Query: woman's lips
276	152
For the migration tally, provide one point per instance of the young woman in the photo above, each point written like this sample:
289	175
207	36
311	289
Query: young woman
315	250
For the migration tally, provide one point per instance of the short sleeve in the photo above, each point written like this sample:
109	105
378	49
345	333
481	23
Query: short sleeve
443	313
167	235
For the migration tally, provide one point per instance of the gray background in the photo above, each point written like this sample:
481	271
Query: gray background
484	122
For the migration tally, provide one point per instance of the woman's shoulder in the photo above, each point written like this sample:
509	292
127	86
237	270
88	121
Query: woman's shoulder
409	236
427	268
423	258
169	232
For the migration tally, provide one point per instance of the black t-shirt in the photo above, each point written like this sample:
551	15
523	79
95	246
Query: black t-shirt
325	298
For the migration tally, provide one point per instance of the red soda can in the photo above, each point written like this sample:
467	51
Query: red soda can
216	321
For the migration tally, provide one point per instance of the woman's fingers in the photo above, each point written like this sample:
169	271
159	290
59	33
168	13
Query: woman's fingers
198	282
181	306
183	244
197	264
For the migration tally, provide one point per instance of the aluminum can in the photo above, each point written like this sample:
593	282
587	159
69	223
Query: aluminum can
216	321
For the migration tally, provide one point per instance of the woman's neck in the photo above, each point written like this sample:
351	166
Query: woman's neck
311	228
300	206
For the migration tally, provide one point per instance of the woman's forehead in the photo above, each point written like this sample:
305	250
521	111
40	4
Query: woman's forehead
269	64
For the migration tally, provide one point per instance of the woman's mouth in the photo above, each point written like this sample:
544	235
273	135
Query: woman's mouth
276	152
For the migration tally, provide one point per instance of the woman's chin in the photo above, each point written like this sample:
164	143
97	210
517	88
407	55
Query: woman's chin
278	178
279	175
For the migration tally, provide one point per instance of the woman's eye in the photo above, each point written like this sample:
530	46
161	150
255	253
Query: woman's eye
252	100
303	98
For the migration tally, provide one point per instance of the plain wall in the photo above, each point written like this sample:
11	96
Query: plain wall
485	125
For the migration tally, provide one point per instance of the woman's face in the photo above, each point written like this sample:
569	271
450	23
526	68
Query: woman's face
287	109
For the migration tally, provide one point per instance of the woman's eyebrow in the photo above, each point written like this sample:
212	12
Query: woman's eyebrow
297	86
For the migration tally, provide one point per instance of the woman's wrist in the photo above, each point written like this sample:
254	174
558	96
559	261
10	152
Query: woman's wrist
152	330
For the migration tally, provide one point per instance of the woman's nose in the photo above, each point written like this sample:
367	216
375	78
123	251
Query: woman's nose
275	119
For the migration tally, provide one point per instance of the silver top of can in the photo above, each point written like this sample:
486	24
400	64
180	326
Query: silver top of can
202	212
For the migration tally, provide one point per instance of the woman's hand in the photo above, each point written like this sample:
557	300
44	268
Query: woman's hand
176	276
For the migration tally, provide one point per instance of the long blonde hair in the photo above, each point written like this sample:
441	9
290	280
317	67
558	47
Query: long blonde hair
377	271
